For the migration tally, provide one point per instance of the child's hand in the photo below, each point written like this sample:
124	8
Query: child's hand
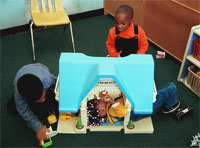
107	99
119	53
104	98
41	134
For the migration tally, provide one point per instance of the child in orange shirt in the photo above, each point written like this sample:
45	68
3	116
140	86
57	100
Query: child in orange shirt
126	38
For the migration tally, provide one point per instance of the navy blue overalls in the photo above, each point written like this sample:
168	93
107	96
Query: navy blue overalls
128	46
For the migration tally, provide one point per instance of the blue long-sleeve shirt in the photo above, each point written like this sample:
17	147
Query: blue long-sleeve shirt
47	79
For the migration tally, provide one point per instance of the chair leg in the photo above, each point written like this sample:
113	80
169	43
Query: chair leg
32	40
72	37
30	30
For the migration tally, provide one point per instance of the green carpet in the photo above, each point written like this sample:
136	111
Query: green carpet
90	38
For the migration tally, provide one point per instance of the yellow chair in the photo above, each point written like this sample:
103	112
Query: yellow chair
48	13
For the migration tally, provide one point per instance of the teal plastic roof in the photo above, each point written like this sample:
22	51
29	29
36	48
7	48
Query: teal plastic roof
79	73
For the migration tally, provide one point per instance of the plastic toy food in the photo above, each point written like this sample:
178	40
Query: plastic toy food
52	119
65	116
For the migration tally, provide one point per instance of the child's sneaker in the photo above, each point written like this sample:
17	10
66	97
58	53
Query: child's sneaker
184	112
171	109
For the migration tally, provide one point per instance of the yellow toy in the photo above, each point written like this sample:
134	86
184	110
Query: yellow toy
54	15
52	119
65	116
46	142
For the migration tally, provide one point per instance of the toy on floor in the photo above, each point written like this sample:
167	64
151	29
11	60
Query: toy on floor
65	116
160	55
196	140
52	132
47	142
52	119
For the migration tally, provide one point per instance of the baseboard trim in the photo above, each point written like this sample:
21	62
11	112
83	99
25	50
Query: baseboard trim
23	28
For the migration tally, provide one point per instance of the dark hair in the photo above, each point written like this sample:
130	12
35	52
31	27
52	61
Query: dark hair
125	9
93	117
30	87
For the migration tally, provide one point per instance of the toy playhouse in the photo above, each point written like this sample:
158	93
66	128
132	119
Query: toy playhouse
81	77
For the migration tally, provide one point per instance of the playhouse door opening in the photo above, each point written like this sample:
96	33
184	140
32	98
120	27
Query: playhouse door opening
106	117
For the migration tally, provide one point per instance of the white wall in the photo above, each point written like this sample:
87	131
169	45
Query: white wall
17	12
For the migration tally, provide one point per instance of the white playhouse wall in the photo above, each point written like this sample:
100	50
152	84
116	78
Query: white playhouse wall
142	126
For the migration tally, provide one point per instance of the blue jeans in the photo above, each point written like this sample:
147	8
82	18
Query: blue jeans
166	97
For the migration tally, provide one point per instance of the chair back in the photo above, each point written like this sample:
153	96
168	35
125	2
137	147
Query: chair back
45	6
